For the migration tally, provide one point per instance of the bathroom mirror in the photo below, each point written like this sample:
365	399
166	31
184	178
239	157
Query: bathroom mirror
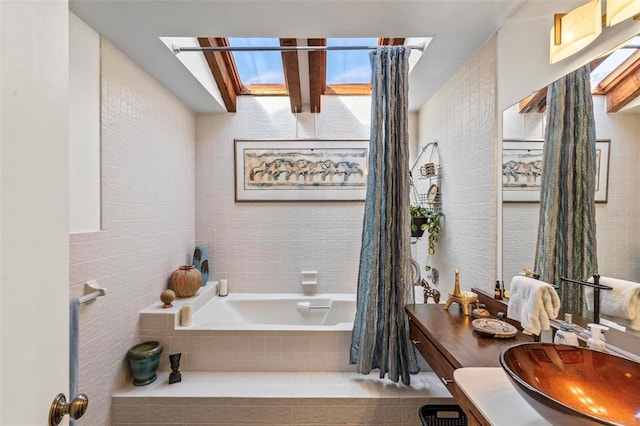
617	212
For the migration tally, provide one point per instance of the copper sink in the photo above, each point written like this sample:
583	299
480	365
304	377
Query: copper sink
575	386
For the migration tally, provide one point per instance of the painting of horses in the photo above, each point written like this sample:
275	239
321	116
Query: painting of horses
300	170
522	171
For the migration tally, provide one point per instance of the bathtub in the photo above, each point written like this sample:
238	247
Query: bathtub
277	312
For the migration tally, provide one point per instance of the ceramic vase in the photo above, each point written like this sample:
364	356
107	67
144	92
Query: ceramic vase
143	359
201	262
185	281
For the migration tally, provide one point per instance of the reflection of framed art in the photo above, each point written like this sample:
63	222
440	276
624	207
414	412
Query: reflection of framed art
297	170
602	170
522	171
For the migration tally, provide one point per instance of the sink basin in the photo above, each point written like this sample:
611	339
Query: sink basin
574	386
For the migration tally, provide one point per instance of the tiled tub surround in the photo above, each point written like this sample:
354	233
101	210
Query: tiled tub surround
284	398
318	349
278	377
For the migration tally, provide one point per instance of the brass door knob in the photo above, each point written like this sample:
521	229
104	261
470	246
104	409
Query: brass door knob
59	408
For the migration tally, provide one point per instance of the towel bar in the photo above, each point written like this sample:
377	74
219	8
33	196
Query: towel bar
92	292
596	293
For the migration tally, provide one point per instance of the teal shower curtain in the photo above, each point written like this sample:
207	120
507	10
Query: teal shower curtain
567	227
381	331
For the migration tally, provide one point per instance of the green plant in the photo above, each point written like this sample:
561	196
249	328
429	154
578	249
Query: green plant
418	212
432	226
433	229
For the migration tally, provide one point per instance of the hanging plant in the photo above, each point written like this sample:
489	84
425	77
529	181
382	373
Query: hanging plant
419	219
433	229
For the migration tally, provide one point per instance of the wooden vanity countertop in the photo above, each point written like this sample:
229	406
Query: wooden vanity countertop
452	333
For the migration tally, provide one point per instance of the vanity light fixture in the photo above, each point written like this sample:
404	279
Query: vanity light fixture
573	31
619	10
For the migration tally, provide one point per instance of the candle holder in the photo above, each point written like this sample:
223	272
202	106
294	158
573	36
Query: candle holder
463	298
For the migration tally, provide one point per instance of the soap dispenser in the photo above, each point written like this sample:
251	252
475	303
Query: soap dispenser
596	341
566	336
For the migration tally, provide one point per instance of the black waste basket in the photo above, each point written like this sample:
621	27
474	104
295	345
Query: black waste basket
442	415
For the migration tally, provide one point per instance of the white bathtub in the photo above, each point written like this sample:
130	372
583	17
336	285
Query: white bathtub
255	311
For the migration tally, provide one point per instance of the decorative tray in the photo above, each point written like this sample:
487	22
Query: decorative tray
491	327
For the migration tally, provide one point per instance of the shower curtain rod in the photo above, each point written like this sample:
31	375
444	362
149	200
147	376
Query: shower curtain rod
178	49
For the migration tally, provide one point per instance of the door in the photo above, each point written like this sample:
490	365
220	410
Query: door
34	250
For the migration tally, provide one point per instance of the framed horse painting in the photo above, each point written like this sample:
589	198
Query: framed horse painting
522	171
300	170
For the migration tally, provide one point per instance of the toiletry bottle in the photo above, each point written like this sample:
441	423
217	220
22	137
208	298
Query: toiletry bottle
498	291
595	342
566	336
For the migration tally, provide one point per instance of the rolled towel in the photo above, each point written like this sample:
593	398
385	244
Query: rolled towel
621	304
623	300
533	303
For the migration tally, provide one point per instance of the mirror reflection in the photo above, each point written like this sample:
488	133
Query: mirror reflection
615	87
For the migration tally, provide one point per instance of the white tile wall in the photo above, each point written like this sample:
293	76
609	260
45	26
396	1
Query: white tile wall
232	398
617	221
148	221
461	116
264	246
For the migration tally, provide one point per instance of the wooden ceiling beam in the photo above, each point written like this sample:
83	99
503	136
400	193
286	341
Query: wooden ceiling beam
391	41
223	71
619	74
626	89
317	73
536	102
292	75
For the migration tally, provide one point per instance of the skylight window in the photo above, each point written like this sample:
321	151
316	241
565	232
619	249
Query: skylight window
613	61
349	66
302	76
258	67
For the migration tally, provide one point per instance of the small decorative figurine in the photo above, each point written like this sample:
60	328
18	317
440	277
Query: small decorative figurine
464	298
429	292
167	297
175	376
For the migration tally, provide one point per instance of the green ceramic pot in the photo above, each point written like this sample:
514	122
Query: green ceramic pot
143	360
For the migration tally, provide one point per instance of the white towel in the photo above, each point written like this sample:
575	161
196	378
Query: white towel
533	303
621	304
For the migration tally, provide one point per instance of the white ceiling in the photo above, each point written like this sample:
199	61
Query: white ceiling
458	28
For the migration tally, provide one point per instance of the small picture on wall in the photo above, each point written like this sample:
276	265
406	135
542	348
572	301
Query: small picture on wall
300	170
522	171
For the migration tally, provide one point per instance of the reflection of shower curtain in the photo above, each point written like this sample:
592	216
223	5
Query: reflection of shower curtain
381	331
567	229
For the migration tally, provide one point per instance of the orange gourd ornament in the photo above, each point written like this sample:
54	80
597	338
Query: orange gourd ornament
185	281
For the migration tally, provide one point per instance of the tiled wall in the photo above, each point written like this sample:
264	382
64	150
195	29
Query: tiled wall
264	246
269	411
461	116
148	221
617	221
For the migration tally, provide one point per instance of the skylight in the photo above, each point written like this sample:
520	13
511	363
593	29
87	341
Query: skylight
613	61
302	76
258	68
349	66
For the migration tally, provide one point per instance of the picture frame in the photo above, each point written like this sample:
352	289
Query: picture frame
300	170
520	162
522	171
602	170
